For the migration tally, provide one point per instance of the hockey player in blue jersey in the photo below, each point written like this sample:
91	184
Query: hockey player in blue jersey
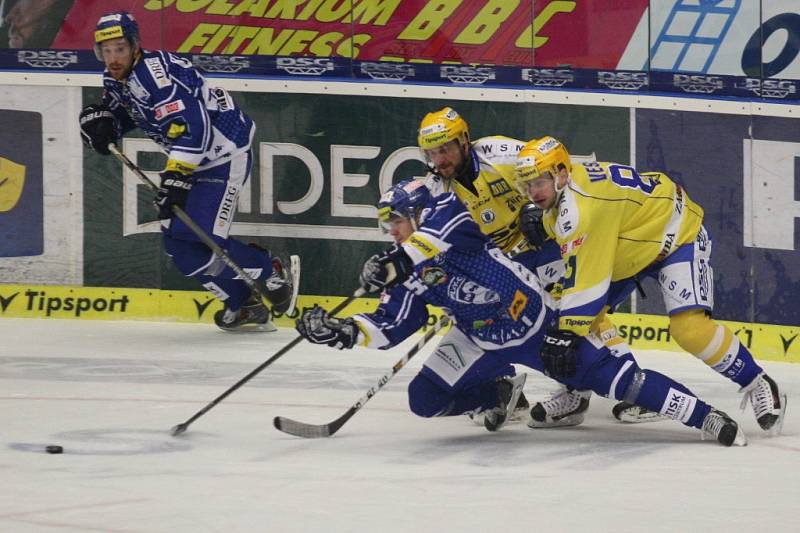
501	315
207	139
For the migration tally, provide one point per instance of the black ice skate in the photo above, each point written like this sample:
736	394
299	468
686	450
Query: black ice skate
252	316
769	405
282	285
634	414
564	408
509	391
723	428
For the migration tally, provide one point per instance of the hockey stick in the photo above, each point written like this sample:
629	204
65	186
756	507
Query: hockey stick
202	235
180	428
313	431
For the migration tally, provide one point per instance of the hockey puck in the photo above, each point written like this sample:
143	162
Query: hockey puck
54	448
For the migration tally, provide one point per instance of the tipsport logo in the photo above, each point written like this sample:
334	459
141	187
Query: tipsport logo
466	75
47	58
387	71
548	77
622	81
305	66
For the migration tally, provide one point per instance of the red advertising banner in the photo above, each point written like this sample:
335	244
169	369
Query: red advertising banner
586	33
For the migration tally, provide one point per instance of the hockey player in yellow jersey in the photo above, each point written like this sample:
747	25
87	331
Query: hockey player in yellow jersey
481	174
614	225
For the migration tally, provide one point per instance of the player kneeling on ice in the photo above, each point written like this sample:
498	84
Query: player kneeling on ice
501	316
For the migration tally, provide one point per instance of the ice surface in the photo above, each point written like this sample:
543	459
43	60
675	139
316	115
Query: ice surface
109	392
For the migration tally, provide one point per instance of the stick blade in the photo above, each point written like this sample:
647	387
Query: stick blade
177	430
300	429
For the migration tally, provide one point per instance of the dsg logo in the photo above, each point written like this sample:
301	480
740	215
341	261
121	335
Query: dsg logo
225	64
697	83
47	58
467	75
622	81
769	88
387	71
548	77
305	66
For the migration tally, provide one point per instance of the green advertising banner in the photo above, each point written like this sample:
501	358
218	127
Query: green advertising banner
320	163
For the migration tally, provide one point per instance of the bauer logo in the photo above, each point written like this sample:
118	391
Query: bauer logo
622	81
768	88
698	84
548	77
305	66
47	58
21	189
220	64
387	71
466	75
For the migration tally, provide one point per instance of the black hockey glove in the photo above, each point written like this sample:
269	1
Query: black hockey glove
317	326
531	226
386	269
174	190
99	127
559	353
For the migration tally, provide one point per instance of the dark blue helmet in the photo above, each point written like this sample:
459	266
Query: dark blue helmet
114	26
404	199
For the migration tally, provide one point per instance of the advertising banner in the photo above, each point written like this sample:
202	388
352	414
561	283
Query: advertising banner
41	213
320	164
745	173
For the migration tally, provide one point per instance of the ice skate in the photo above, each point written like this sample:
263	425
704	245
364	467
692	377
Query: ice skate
723	428
634	414
282	285
520	412
564	408
509	391
252	316
769	405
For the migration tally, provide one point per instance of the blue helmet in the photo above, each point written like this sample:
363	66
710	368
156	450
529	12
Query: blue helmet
404	199
114	26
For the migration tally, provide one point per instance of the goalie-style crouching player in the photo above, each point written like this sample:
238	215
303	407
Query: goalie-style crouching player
500	313
207	139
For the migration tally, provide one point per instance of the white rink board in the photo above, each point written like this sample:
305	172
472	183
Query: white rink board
110	391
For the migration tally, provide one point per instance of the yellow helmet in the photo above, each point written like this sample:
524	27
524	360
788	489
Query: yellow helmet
441	127
539	156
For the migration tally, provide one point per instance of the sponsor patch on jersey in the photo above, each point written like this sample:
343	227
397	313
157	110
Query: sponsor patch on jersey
157	71
518	305
678	405
433	276
499	187
137	90
487	216
423	246
170	108
570	246
468	292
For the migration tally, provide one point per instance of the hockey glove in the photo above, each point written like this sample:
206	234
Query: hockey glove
174	191
99	127
318	327
387	269
559	353
531	226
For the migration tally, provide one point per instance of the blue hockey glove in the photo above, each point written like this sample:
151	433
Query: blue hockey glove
386	269
99	127
531	226
318	327
174	191
559	353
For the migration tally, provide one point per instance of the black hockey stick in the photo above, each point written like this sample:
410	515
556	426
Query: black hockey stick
313	431
197	230
180	428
